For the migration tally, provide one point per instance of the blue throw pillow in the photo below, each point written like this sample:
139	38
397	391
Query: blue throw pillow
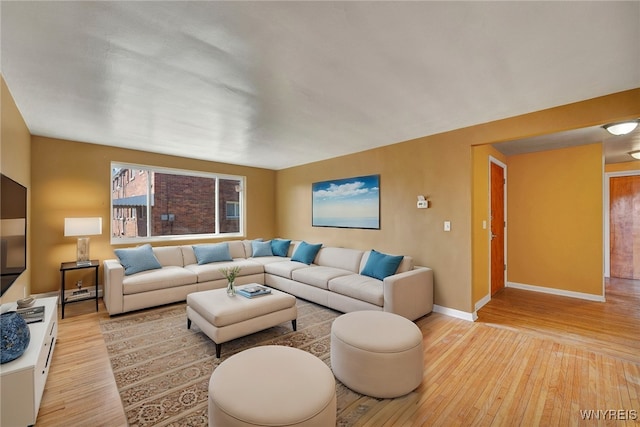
381	265
135	260
212	253
280	247
306	252
259	248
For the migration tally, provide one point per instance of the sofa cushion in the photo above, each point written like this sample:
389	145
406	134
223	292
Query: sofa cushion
136	260
211	271
169	255
268	259
260	248
360	287
280	247
381	265
214	252
236	250
318	276
342	258
306	252
188	255
405	265
246	245
166	277
283	268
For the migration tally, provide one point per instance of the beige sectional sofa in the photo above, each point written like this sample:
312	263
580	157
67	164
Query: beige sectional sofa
332	280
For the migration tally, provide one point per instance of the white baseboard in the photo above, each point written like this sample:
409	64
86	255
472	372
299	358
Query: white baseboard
464	315
561	292
482	302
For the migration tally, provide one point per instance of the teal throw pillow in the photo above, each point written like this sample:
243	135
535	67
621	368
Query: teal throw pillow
259	248
280	247
135	260
306	252
381	265
212	253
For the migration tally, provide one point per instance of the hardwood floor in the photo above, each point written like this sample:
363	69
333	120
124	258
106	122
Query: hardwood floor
530	359
81	389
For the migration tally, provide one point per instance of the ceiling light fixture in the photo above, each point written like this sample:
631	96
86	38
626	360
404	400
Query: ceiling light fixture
635	154
621	128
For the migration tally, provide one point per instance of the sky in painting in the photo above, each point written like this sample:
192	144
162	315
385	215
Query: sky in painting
351	202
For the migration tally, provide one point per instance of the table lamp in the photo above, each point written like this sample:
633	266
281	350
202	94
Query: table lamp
82	227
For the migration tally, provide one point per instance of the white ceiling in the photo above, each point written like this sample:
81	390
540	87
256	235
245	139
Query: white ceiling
616	148
279	84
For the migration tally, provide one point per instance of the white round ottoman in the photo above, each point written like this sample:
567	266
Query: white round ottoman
272	386
377	353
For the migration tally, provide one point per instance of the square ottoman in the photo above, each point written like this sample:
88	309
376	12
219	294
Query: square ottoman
223	318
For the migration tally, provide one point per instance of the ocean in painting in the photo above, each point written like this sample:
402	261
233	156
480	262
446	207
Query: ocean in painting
347	222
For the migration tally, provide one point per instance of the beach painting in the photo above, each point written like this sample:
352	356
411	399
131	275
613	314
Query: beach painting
347	203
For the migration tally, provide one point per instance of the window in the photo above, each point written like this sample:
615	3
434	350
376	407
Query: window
233	210
166	204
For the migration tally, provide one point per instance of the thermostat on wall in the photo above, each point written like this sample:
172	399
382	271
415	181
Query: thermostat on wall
422	203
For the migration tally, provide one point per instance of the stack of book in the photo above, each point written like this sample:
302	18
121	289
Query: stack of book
32	314
253	291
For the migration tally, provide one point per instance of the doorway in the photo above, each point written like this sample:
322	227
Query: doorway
624	226
497	224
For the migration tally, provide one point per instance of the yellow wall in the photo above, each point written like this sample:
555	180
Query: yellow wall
73	179
439	166
623	167
480	238
440	172
555	219
15	149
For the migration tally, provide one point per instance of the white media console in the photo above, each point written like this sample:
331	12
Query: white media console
22	380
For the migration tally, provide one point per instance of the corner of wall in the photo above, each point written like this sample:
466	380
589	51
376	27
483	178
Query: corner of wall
15	162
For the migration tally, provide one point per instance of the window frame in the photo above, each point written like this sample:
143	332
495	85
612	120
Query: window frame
184	172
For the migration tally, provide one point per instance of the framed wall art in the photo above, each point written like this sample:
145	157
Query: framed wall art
347	203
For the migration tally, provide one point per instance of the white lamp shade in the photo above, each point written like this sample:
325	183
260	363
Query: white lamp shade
82	226
635	154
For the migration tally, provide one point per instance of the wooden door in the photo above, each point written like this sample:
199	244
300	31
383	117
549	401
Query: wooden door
497	228
624	226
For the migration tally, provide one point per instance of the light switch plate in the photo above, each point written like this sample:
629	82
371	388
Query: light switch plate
447	226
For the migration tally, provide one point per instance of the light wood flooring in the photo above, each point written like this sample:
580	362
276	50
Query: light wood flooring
530	359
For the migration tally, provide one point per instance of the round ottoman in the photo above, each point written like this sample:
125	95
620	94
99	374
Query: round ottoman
377	353
272	386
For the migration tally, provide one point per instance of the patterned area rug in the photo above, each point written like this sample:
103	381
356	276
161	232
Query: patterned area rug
162	369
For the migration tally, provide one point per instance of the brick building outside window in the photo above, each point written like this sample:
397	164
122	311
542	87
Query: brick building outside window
149	203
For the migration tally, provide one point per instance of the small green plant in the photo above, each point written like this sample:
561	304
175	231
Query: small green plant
230	273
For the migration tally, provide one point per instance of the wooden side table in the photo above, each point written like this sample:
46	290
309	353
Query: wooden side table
68	266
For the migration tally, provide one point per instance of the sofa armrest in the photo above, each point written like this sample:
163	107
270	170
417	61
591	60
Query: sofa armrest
409	294
113	291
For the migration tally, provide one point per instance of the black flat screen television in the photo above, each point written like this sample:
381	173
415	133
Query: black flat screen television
13	231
